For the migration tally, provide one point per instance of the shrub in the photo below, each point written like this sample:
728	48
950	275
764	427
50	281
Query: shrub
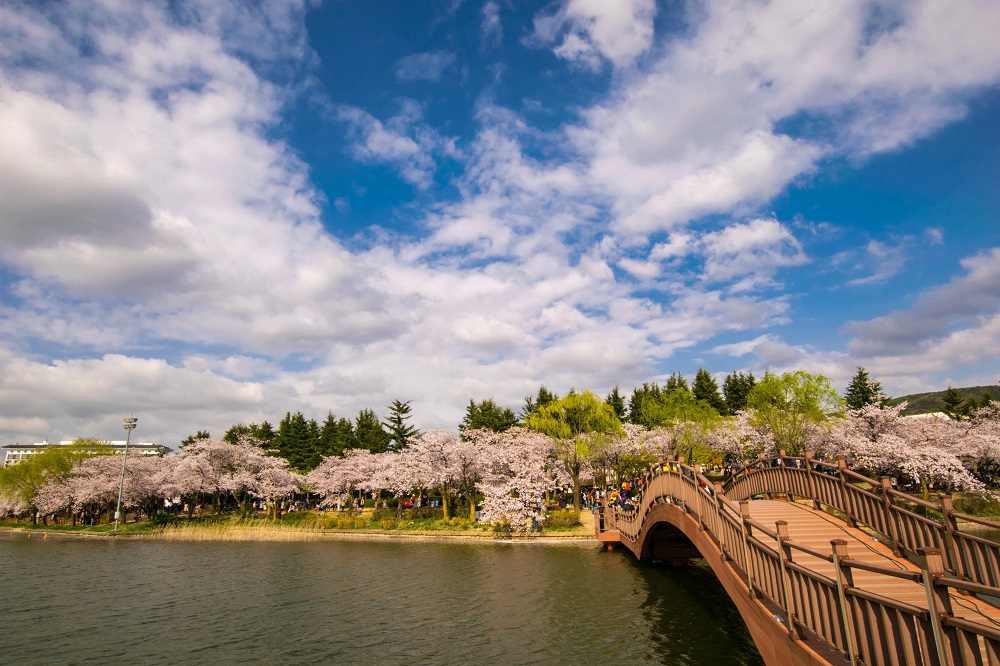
978	505
162	520
563	519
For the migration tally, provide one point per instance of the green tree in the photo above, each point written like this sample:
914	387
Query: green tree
487	415
21	482
369	433
706	389
399	430
955	405
617	402
336	436
736	389
676	381
863	391
643	405
297	441
191	439
532	404
261	434
792	406
579	425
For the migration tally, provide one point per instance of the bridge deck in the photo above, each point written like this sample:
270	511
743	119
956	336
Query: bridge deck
815	529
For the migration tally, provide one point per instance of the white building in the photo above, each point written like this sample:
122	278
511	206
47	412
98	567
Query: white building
19	452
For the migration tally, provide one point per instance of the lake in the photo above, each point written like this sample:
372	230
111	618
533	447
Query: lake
339	602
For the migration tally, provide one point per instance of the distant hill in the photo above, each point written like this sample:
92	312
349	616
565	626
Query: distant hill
926	403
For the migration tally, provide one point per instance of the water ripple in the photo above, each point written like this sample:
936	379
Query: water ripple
70	602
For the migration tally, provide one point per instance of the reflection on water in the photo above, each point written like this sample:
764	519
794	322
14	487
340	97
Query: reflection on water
345	601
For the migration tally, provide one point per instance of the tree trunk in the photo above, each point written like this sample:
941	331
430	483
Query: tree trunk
576	491
445	495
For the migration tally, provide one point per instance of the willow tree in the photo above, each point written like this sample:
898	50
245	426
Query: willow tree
21	483
793	407
579	424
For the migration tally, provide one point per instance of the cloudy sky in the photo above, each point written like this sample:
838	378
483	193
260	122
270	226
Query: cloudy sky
214	211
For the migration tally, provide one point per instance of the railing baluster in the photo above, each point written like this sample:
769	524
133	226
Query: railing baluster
784	556
889	519
845	579
933	567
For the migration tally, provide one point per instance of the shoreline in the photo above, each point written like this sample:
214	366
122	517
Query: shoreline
290	534
275	532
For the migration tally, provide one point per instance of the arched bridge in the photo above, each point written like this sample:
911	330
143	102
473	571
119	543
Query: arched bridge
841	569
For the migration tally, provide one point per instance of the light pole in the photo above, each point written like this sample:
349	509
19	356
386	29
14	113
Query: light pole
129	424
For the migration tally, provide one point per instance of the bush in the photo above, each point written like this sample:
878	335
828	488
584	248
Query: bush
162	520
562	519
425	512
978	505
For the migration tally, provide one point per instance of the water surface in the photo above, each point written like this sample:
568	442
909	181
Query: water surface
339	602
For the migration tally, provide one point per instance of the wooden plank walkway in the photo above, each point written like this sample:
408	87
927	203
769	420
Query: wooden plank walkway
815	529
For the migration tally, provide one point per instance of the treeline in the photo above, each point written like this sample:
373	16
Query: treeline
304	442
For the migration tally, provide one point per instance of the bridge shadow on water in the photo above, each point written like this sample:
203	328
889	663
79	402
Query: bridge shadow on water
689	601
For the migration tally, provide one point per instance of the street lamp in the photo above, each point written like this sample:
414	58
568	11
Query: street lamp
129	424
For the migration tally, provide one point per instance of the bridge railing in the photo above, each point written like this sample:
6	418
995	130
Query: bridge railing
866	627
906	522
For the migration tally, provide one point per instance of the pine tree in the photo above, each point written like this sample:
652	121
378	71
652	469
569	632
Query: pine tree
954	404
706	389
336	436
863	391
533	404
735	389
369	433
296	441
261	434
191	439
399	430
617	403
676	381
487	415
643	404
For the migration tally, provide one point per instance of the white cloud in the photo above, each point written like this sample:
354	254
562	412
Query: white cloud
402	141
969	301
428	66
617	31
147	208
754	249
491	25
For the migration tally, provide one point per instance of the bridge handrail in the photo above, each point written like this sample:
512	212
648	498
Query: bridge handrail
879	507
767	568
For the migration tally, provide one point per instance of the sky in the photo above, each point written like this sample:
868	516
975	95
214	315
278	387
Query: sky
214	212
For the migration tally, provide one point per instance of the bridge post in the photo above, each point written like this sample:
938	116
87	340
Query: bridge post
697	490
938	601
784	557
889	518
783	475
846	508
844	580
745	532
956	555
718	522
811	480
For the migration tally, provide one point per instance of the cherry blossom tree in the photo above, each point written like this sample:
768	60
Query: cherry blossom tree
440	459
336	479
514	476
924	448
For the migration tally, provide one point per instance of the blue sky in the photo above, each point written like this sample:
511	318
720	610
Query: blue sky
216	212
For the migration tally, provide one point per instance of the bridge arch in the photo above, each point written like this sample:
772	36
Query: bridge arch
804	599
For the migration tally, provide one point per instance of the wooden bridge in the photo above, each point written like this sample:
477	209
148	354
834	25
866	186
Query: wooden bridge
841	570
